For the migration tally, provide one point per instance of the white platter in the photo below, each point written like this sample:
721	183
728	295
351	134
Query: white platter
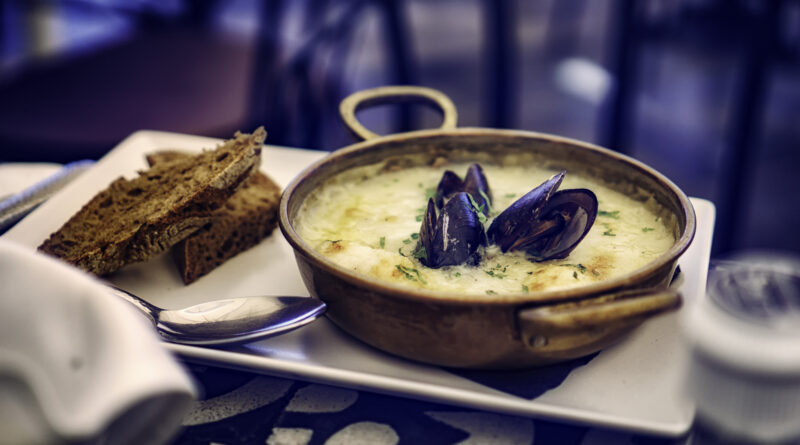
635	385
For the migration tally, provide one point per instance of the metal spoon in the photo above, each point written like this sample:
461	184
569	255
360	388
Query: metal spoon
230	321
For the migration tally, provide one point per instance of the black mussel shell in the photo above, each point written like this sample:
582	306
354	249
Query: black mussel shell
573	211
545	223
454	236
449	185
515	224
474	183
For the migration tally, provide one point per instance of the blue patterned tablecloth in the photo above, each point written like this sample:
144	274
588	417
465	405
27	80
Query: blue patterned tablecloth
239	407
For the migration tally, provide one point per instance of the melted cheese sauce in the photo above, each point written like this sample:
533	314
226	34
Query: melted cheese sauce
368	221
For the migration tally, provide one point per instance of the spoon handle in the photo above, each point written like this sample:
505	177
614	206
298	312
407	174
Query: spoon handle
146	308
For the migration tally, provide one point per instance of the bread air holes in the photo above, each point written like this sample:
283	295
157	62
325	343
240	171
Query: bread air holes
135	192
107	202
221	157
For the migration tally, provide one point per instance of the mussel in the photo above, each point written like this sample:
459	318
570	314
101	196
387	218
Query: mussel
454	236
545	223
474	183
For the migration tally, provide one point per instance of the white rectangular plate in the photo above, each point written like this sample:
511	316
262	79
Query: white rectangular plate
635	385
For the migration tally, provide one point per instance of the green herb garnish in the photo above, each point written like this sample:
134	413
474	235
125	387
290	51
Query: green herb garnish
492	273
410	273
382	242
614	214
491	292
647	229
420	252
581	268
524	288
488	201
478	209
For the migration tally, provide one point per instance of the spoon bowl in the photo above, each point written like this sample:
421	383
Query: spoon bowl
228	321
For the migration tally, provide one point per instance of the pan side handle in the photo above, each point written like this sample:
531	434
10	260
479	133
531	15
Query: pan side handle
586	326
393	94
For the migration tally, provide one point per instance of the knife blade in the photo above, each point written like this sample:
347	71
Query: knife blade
17	206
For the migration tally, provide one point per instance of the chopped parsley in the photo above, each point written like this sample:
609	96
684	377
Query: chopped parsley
478	209
647	229
525	289
510	195
608	231
575	275
420	252
382	242
488	201
419	218
491	292
410	273
492	273
429	193
498	271
613	214
580	267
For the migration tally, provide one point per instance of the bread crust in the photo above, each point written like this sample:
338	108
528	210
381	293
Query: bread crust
135	219
249	216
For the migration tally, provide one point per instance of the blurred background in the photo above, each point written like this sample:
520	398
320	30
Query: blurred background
705	91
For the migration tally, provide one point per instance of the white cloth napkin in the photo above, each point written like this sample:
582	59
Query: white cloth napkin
77	365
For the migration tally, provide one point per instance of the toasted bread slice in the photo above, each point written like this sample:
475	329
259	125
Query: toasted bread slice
249	215
135	219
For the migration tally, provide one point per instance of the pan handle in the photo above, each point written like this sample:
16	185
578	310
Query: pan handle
576	324
393	94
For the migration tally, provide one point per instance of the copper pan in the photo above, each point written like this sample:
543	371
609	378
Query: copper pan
492	331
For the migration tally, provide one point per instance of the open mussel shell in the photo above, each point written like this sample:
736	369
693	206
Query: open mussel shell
474	183
454	236
545	223
514	226
575	210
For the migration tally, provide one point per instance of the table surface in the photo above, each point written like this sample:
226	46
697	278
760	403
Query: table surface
243	407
